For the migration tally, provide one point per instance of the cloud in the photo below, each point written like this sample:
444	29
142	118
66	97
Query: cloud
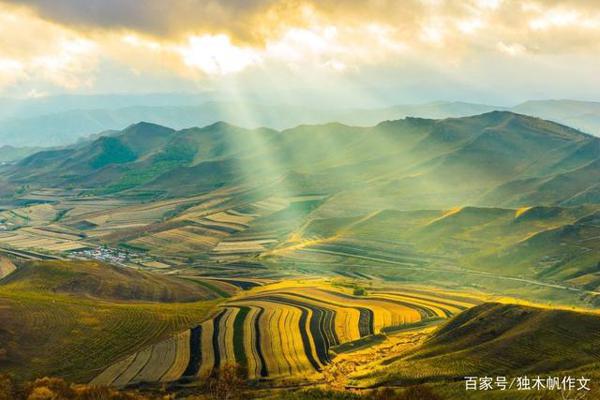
32	49
69	43
257	21
173	19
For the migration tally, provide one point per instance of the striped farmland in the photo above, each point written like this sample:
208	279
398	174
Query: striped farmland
279	333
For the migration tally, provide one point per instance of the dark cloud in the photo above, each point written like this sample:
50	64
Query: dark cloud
155	17
246	20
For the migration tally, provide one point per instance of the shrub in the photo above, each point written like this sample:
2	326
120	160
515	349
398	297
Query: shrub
58	389
318	394
227	384
7	388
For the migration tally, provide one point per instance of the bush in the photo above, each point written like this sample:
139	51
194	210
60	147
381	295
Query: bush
58	389
318	394
7	388
412	393
227	384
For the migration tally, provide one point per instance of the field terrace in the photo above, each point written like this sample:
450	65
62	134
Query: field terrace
287	332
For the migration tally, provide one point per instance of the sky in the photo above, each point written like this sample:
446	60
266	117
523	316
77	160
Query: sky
351	52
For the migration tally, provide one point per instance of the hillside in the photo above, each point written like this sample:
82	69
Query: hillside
498	249
496	340
584	115
105	281
432	163
567	252
72	318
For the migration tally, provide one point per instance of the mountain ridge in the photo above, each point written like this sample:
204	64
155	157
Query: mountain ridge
68	126
476	154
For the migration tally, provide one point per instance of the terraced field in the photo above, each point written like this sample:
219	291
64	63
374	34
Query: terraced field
283	331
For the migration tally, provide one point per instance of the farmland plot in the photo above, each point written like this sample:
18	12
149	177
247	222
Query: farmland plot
32	215
283	332
182	240
24	239
6	267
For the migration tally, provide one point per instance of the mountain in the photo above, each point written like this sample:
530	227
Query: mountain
10	153
60	127
583	115
428	217
433	110
55	104
412	163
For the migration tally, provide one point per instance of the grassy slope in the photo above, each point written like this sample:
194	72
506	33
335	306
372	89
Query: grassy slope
553	244
496	340
567	252
95	279
45	330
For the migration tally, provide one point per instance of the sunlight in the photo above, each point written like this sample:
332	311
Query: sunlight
513	49
216	55
432	34
491	4
521	211
470	26
8	65
64	66
136	41
555	18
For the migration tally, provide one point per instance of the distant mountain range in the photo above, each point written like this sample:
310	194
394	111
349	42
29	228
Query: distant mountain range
10	153
494	159
59	128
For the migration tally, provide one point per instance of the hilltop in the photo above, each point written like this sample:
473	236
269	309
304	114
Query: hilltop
498	158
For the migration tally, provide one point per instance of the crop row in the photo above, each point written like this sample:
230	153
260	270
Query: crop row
278	333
